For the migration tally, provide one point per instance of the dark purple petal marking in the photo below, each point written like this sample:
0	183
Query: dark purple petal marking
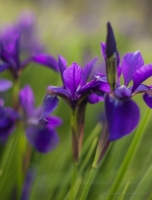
5	85
47	60
141	75
50	103
130	63
72	78
43	138
148	99
122	116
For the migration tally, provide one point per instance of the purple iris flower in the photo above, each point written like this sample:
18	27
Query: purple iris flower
43	137
19	46
75	89
121	111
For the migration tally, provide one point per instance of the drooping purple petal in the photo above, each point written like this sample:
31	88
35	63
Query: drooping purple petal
50	103
72	78
130	63
26	98
147	97
5	85
47	60
141	75
122	92
122	116
43	138
87	71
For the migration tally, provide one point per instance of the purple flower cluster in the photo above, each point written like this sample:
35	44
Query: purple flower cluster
122	113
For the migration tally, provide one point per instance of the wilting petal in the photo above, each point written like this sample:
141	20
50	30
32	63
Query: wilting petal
141	75
72	77
87	71
50	103
122	116
103	50
47	60
43	138
130	63
27	101
5	85
148	99
122	92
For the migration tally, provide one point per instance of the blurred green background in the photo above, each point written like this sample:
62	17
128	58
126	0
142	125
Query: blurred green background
74	29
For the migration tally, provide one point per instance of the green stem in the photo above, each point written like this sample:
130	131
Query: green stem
130	153
88	183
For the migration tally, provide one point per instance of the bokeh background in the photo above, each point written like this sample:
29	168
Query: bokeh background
74	29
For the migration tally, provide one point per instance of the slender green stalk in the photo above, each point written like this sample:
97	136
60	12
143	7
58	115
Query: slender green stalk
88	183
130	153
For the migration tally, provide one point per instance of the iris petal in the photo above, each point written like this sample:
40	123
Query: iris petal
141	75
122	116
130	63
72	78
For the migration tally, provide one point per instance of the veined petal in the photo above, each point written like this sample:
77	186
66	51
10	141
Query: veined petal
147	97
87	71
72	78
130	63
141	75
43	138
5	85
50	103
47	60
122	116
